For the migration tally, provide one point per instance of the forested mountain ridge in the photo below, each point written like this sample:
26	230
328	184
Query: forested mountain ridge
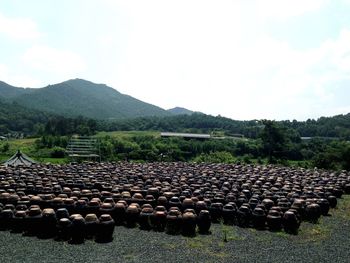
8	92
30	110
79	97
14	117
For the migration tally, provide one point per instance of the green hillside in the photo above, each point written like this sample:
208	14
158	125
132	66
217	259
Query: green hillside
8	92
14	117
80	97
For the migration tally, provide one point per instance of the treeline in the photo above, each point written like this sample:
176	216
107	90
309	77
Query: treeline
15	118
282	144
59	126
270	140
196	122
275	144
337	126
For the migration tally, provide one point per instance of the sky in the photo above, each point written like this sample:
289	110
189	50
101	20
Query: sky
248	59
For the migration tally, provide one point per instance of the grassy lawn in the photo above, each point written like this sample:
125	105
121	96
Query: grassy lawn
4	158
27	146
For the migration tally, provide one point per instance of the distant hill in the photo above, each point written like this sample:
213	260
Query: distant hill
29	110
80	97
194	123
180	111
336	127
8	92
14	117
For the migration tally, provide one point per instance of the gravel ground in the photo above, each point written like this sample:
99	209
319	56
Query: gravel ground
327	241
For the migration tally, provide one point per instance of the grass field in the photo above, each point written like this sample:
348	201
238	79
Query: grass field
27	146
327	241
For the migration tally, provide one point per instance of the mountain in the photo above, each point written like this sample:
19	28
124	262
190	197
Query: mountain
14	117
8	92
180	111
80	97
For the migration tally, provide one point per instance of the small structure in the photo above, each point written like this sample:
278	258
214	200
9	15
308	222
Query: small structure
19	159
83	147
186	135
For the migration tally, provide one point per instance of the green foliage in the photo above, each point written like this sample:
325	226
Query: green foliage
153	148
14	117
49	141
196	122
336	126
57	152
7	91
4	147
215	157
150	147
274	139
68	126
335	155
247	158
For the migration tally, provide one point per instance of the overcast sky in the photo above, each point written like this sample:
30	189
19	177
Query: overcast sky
249	59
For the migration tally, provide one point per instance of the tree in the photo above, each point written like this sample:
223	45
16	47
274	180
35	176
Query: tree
4	147
274	140
215	157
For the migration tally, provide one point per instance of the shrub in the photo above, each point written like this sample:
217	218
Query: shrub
4	147
215	157
57	152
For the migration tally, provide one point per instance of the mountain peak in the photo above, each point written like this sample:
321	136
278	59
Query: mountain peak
180	111
76	97
81	82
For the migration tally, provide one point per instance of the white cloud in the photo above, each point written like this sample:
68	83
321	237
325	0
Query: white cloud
339	110
48	59
219	58
339	51
3	71
306	78
18	28
283	9
17	79
24	80
203	61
